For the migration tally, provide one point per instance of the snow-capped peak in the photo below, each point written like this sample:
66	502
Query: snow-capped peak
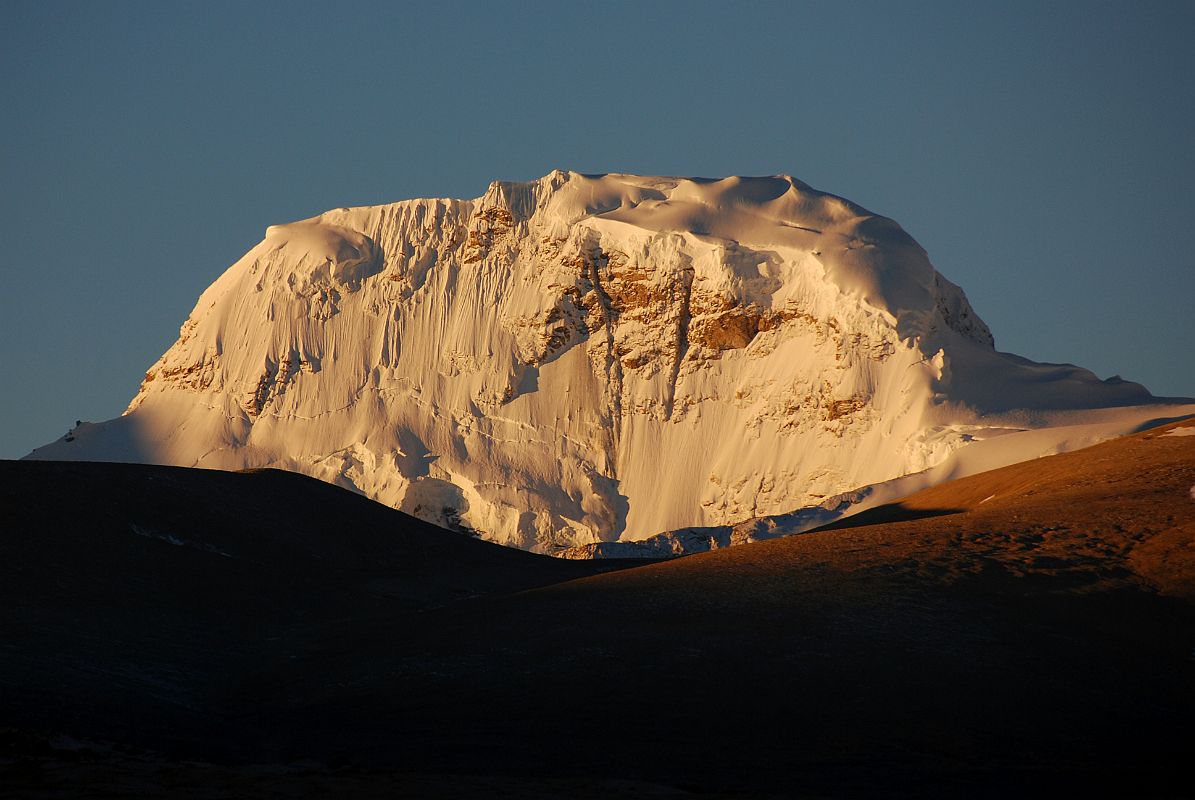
587	358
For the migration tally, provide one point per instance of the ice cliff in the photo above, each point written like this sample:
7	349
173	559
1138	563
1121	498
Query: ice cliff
587	358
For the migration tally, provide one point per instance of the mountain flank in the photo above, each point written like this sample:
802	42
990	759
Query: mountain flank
1025	630
582	361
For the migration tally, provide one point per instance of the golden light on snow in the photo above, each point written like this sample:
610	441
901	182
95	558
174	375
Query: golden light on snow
584	359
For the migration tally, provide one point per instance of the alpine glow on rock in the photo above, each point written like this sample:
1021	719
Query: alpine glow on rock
584	359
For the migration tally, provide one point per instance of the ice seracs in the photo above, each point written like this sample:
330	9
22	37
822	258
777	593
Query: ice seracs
591	358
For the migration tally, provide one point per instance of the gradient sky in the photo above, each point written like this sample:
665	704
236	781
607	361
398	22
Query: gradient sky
1044	154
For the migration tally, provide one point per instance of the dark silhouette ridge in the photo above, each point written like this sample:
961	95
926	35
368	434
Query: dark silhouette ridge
254	634
885	514
1156	423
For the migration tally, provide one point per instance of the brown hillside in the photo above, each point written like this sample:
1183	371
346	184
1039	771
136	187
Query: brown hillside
1030	632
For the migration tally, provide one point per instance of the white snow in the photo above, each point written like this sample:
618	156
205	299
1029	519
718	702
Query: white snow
584	359
1180	432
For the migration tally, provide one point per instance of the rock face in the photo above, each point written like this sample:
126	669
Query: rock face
585	359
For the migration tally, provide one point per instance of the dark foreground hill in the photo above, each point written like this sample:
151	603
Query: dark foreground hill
1030	630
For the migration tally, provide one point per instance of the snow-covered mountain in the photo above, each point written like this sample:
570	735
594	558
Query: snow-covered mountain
585	359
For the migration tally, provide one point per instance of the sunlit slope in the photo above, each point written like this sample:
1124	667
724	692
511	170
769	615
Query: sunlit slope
583	359
1023	631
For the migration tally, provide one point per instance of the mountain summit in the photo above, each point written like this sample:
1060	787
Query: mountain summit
588	358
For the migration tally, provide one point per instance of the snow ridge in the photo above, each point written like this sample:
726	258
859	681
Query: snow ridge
585	359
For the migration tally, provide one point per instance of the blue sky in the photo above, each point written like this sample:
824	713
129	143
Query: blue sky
1041	153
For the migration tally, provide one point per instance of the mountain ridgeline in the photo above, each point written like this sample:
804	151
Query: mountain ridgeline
580	360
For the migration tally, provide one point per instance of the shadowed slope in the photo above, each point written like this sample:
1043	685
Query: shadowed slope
1027	644
132	598
1038	641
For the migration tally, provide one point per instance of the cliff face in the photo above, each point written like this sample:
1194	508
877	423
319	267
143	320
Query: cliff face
584	359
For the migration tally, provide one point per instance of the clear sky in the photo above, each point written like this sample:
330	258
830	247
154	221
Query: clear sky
1043	153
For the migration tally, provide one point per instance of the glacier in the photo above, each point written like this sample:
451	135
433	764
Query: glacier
581	360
